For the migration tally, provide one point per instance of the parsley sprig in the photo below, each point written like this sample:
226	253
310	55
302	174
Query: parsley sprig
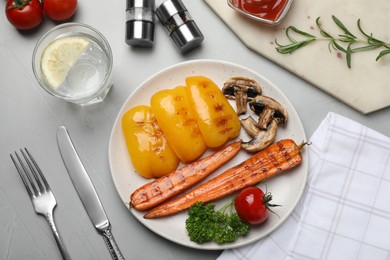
345	42
205	224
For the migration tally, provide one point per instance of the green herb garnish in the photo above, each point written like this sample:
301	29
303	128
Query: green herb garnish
345	42
206	224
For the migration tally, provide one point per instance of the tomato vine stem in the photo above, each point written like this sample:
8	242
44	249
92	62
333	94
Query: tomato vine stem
19	4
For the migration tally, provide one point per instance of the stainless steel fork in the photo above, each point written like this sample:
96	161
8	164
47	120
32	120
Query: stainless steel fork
40	192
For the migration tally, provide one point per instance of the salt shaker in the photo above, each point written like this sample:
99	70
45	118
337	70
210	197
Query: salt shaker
140	22
180	26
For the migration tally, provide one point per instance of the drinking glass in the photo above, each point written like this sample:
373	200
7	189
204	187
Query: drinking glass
88	74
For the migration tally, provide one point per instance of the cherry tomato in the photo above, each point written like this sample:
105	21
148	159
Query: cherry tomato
59	10
24	14
252	205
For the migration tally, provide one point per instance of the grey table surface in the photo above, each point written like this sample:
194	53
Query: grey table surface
29	117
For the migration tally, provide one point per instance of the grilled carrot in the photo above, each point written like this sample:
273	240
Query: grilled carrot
157	191
269	162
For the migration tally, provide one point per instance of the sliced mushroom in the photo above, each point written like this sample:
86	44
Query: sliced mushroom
262	139
267	109
241	89
250	126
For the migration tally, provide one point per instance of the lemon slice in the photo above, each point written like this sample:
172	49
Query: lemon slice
59	56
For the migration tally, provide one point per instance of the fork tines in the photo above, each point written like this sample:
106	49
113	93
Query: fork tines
32	176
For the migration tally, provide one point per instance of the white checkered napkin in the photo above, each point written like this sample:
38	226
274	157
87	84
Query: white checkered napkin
345	210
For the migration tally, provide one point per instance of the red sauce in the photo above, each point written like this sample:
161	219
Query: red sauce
266	9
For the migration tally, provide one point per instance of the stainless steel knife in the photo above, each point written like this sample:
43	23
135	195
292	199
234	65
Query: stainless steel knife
86	190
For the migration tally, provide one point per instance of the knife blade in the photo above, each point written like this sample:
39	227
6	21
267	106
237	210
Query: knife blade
86	190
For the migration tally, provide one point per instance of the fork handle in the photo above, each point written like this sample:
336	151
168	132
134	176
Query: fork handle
111	244
64	252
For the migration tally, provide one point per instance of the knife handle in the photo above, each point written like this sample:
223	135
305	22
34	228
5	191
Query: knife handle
111	244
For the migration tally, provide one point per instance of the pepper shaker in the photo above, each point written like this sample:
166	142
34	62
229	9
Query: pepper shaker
181	28
140	22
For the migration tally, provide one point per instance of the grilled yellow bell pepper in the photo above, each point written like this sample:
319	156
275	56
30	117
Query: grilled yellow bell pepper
148	148
217	120
172	109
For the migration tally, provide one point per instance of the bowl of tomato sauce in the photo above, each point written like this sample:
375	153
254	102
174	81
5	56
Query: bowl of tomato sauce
270	12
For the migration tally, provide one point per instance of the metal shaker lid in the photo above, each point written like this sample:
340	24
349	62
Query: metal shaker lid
179	24
187	37
139	33
168	9
140	23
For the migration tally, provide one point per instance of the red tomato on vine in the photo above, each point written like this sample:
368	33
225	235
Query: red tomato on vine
24	14
59	10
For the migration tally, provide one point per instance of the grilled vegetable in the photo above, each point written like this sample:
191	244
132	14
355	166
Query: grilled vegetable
241	89
268	109
148	148
169	185
217	120
261	138
177	120
273	160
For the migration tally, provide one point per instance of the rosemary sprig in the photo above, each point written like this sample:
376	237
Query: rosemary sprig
345	42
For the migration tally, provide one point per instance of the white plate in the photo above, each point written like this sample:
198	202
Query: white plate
286	188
